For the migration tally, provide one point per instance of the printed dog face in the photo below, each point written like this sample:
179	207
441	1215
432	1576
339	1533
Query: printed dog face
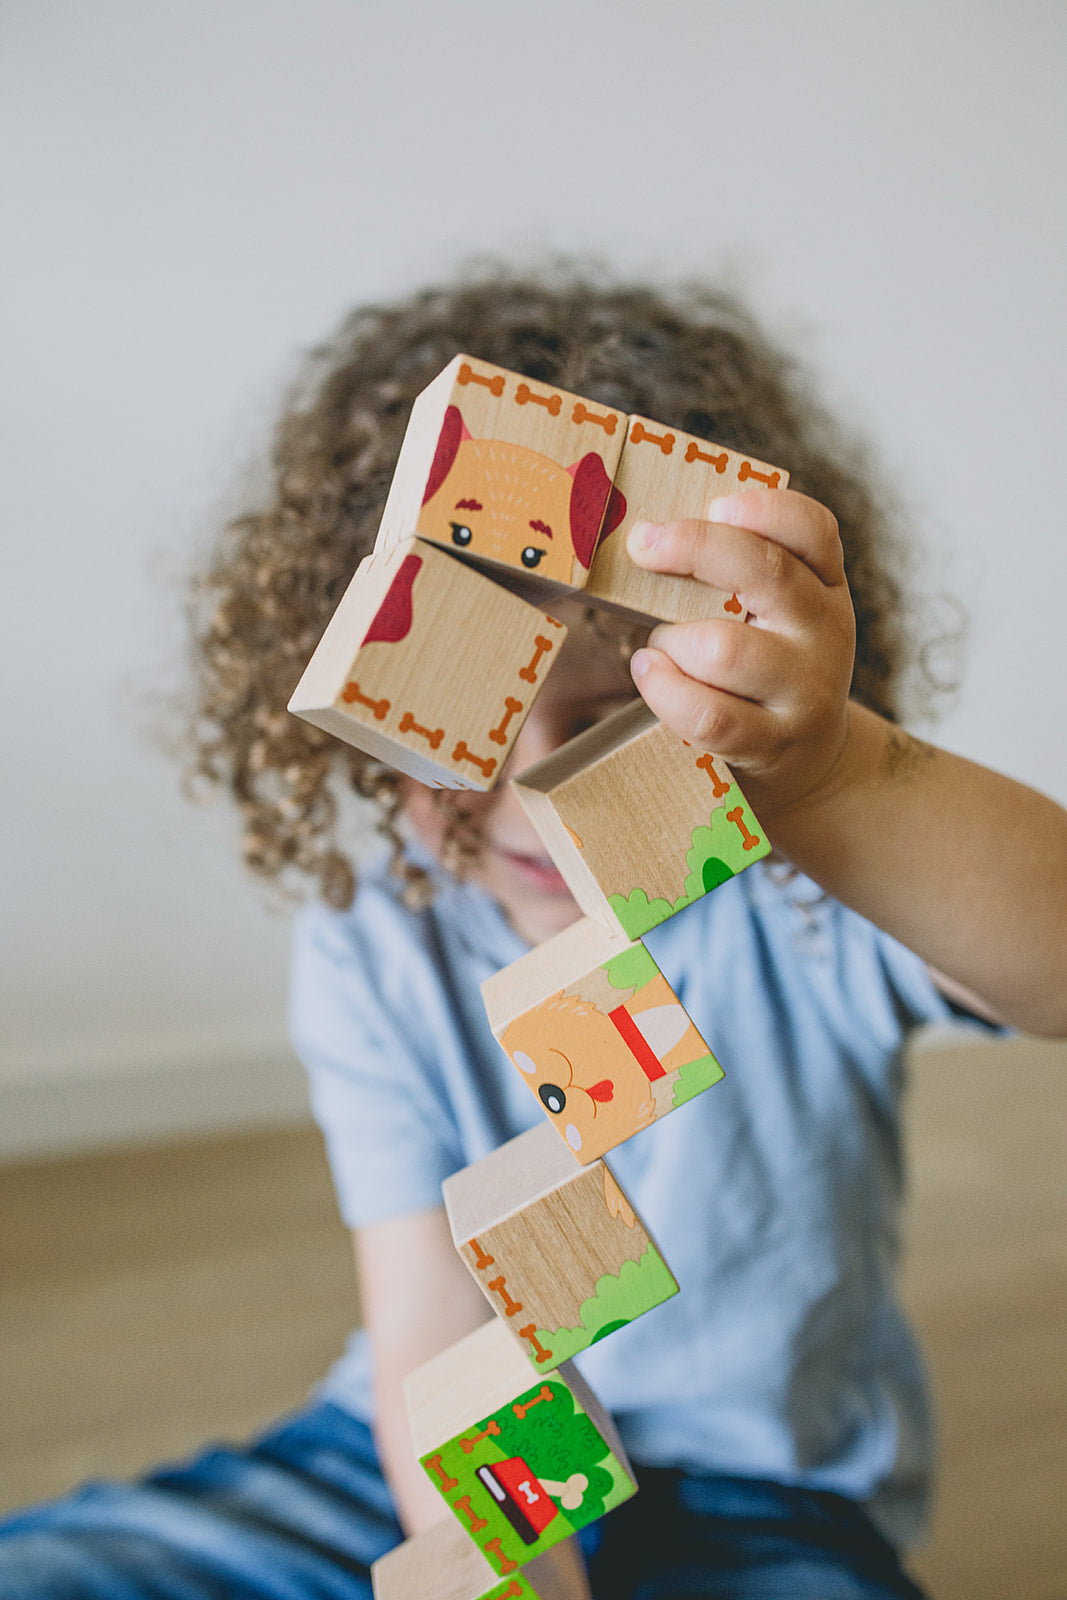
603	1068
506	503
582	1071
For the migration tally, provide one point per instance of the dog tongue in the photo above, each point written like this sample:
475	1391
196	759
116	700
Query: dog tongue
601	1091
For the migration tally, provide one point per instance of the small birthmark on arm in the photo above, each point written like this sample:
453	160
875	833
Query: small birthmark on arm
904	753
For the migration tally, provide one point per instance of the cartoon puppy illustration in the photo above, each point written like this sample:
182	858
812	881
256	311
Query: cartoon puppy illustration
506	503
603	1061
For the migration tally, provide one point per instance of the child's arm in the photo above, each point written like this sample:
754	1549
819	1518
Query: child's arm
966	867
417	1298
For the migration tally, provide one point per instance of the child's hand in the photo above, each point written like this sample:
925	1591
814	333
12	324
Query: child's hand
770	695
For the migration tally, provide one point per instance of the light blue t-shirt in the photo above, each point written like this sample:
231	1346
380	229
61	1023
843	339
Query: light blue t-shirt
773	1196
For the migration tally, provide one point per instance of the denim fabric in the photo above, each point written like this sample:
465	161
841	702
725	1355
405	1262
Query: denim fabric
303	1511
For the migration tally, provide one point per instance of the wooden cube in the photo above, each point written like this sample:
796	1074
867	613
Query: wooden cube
523	1460
639	822
598	1035
429	666
555	1247
664	475
443	1564
505	471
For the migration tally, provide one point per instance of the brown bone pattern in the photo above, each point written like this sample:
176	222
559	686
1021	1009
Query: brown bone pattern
462	751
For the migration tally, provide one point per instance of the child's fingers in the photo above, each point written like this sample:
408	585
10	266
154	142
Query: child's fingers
782	517
709	717
754	663
768	580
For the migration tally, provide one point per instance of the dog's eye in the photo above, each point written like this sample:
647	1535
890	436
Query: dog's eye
461	534
531	556
551	1098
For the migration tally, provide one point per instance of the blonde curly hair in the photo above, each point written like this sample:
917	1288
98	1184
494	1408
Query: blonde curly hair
692	358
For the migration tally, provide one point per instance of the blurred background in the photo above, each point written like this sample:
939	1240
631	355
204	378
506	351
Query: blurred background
194	195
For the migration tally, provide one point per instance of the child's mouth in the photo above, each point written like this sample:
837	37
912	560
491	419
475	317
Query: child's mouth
538	872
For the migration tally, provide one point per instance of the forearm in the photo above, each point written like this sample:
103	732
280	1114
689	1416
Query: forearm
417	1502
418	1298
966	867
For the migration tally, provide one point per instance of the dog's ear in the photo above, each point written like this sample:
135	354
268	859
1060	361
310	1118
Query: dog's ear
589	496
453	432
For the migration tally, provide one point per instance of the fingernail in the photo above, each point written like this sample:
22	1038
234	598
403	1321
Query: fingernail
643	536
724	509
640	662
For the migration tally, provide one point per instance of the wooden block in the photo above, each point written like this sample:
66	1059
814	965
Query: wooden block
505	471
555	1247
639	822
664	475
524	1460
429	666
443	1564
598	1035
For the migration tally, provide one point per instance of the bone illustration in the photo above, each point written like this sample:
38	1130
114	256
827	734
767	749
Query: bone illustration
420	664
433	736
606	420
512	707
494	384
553	403
636	819
719	460
497	470
747	471
639	434
351	694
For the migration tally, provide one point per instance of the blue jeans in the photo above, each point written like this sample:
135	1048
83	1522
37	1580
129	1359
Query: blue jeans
302	1512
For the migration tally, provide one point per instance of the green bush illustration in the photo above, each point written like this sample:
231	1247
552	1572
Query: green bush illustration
563	1441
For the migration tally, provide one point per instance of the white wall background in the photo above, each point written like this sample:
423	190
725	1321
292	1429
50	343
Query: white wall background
193	194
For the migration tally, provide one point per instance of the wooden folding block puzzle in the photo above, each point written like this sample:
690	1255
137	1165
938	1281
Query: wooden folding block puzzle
429	666
555	1247
598	1035
664	475
443	1564
639	822
506	471
524	1460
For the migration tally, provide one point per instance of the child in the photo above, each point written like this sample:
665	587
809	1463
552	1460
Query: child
775	1409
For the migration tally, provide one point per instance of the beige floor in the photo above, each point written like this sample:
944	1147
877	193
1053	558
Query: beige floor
155	1299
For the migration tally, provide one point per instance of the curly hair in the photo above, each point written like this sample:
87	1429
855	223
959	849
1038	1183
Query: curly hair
693	358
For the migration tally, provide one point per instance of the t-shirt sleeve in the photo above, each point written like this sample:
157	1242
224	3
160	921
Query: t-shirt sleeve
360	1019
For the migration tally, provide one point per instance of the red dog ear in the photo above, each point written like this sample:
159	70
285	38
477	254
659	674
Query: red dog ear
589	496
392	620
614	514
453	432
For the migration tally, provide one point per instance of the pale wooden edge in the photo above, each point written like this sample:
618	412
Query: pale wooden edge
444	1563
404	501
441	1563
559	1573
606	738
456	1388
549	967
362	736
573	867
510	1178
324	676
